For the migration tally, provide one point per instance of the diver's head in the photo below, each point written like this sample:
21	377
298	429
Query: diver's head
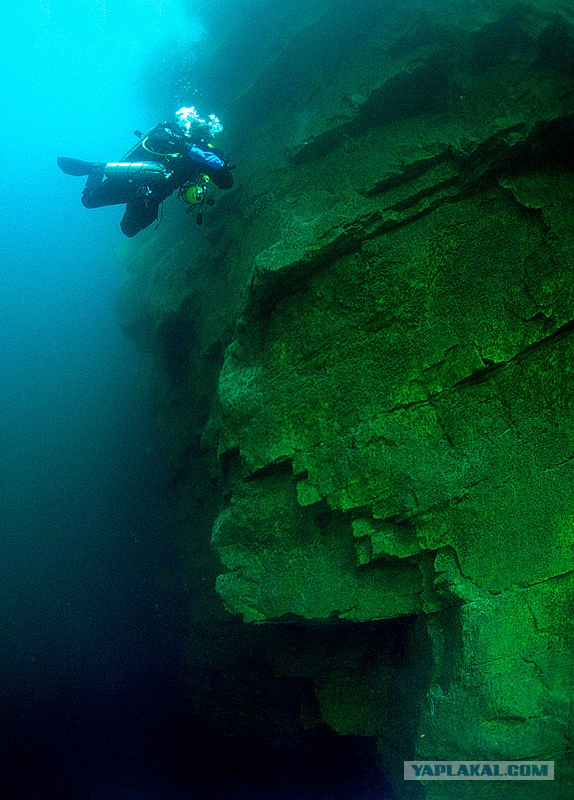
198	129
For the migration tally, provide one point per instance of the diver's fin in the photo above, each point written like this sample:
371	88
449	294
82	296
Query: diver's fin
73	166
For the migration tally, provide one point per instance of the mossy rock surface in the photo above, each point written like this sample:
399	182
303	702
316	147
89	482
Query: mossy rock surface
364	373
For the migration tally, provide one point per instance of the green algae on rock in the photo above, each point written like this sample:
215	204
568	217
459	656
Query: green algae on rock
372	355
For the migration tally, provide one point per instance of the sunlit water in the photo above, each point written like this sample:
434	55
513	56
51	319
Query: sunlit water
89	659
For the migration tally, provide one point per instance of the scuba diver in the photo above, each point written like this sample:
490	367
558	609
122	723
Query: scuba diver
171	156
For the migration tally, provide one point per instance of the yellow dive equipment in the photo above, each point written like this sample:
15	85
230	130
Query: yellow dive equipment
194	193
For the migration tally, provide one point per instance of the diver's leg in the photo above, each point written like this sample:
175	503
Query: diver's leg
140	213
99	193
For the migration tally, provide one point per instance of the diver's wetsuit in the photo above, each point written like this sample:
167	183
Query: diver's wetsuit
166	145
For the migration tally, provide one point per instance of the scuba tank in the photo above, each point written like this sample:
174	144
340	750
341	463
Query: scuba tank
140	171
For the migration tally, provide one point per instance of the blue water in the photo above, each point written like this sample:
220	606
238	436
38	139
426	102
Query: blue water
93	684
91	679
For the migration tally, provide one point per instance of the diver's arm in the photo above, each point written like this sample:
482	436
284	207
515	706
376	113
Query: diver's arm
213	165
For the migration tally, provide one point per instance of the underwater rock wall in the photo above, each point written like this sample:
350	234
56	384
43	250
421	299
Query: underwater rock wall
364	371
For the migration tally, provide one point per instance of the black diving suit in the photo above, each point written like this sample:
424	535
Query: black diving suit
183	162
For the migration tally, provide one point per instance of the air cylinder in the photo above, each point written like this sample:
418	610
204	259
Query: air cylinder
140	171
